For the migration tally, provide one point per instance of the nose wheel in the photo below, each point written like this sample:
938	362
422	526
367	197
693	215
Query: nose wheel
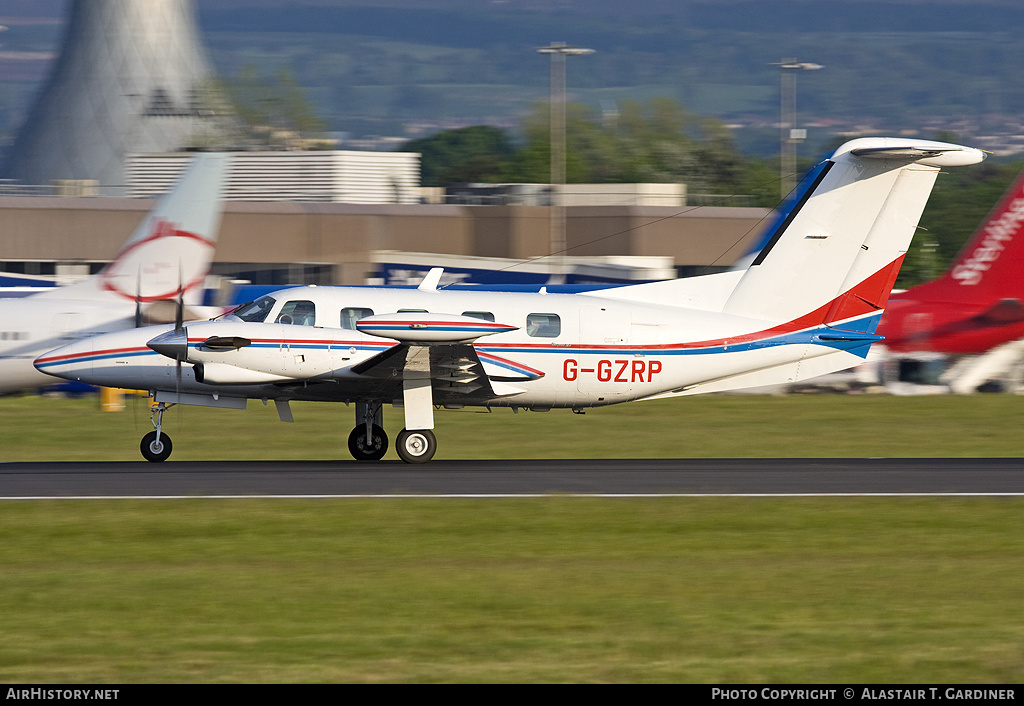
155	449
156	446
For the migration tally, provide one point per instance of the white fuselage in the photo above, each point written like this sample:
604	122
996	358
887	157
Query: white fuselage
30	326
591	351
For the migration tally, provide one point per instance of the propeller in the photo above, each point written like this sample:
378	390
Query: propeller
138	298
174	343
179	311
179	314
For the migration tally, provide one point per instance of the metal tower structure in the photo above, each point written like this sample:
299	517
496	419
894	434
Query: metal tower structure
132	76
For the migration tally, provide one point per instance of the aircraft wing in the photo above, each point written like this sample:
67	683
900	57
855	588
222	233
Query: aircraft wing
454	370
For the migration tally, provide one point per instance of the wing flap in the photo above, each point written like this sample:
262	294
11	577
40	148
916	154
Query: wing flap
453	369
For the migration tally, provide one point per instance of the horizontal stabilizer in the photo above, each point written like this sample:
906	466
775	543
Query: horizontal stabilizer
931	154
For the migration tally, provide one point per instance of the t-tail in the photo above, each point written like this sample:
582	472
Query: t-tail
834	258
171	250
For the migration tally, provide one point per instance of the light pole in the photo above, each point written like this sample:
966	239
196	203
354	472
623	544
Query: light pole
558	52
789	134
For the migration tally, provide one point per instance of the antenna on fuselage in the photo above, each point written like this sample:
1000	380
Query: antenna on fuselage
431	280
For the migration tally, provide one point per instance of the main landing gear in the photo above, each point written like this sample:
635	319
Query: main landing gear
416	445
156	446
369	442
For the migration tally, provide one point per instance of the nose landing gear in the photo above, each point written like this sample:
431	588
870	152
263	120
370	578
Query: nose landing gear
156	446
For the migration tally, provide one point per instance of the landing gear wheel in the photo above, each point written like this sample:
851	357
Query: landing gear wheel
362	451
416	446
153	450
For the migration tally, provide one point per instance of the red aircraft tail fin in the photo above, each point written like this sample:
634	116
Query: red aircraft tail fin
990	266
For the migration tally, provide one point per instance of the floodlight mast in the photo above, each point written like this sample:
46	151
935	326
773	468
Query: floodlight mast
789	134
558	52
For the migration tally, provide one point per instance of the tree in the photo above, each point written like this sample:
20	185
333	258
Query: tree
474	154
275	110
657	141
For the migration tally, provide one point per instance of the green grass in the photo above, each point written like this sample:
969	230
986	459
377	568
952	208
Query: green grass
554	589
814	426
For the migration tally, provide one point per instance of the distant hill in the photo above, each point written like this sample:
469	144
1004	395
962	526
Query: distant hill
409	67
445	21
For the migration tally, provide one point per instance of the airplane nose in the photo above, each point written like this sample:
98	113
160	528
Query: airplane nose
173	344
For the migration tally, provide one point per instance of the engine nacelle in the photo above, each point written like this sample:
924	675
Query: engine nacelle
224	374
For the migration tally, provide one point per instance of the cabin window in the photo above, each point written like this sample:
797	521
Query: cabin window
484	315
300	313
351	314
412	311
543	325
255	312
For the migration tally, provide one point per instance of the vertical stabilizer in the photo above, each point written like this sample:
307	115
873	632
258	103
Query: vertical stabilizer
172	247
836	255
990	266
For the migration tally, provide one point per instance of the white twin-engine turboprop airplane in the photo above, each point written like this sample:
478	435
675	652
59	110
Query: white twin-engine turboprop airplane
166	258
807	304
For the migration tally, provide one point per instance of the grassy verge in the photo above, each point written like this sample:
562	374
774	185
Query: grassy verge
33	428
554	589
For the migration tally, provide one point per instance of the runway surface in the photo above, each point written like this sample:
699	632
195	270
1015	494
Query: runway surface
532	477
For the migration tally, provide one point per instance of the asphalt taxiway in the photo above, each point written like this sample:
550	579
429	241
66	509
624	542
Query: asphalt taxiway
972	476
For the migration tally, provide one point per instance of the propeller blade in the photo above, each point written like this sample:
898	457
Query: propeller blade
138	299
180	309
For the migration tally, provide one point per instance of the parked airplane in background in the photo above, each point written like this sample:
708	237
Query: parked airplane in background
807	304
169	252
979	302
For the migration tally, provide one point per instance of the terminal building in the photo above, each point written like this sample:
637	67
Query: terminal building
307	242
